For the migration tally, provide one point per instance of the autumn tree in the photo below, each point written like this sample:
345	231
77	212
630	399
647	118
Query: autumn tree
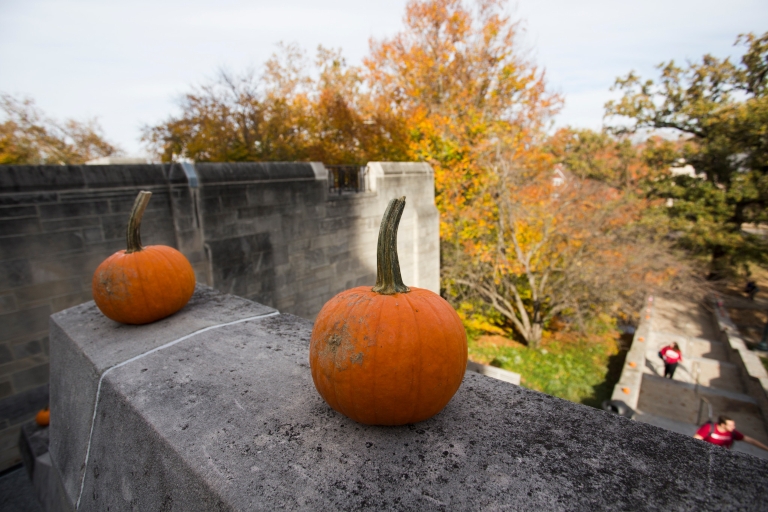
477	111
573	250
27	137
616	161
453	88
458	77
720	111
282	114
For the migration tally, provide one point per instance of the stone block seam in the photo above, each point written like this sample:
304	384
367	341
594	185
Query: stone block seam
135	358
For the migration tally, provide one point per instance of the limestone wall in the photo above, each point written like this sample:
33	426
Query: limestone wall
265	231
280	239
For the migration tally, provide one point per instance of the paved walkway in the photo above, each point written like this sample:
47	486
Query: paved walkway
17	493
705	373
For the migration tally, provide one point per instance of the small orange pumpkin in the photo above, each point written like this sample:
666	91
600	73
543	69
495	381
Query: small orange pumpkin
388	355
43	417
142	284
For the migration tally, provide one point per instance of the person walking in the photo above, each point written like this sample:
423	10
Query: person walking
724	434
671	355
751	289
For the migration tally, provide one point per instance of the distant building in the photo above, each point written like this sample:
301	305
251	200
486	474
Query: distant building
684	169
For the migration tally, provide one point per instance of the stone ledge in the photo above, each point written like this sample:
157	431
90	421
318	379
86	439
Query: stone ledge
229	419
35	178
88	344
210	173
24	178
631	378
381	170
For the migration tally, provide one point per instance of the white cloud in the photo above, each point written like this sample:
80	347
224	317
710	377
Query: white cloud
127	62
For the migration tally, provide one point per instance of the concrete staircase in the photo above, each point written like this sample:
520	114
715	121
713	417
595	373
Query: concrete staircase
705	378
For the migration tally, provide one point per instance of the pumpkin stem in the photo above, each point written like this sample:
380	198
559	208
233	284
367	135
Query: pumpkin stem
133	234
388	278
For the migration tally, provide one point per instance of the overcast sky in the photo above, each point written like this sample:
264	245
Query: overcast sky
127	63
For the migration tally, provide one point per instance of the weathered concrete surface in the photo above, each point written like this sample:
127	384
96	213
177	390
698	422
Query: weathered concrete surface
88	344
229	420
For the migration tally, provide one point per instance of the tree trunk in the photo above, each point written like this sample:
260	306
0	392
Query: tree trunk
534	339
536	326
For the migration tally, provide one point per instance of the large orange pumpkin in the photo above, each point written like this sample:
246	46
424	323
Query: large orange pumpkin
142	284
388	355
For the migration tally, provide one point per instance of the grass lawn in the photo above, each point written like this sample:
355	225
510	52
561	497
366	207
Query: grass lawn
571	368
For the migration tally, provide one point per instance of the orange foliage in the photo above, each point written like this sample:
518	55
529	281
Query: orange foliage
477	111
453	89
457	78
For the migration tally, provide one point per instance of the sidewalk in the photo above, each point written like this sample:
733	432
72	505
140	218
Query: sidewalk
704	375
16	492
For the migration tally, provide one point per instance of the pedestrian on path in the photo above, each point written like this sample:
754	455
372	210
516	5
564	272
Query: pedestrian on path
724	434
751	289
671	355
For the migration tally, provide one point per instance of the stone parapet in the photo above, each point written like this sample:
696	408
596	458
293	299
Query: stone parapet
57	223
753	374
214	409
627	390
266	231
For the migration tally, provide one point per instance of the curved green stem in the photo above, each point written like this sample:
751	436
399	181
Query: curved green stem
133	234
388	278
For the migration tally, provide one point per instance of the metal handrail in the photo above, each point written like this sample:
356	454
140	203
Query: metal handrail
703	401
696	370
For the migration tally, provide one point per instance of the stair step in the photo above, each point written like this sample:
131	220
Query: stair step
691	347
703	390
712	373
663	334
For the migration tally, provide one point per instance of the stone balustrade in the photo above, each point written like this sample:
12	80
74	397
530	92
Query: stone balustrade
214	409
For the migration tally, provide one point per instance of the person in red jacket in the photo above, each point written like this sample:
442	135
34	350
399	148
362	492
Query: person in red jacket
724	434
671	355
